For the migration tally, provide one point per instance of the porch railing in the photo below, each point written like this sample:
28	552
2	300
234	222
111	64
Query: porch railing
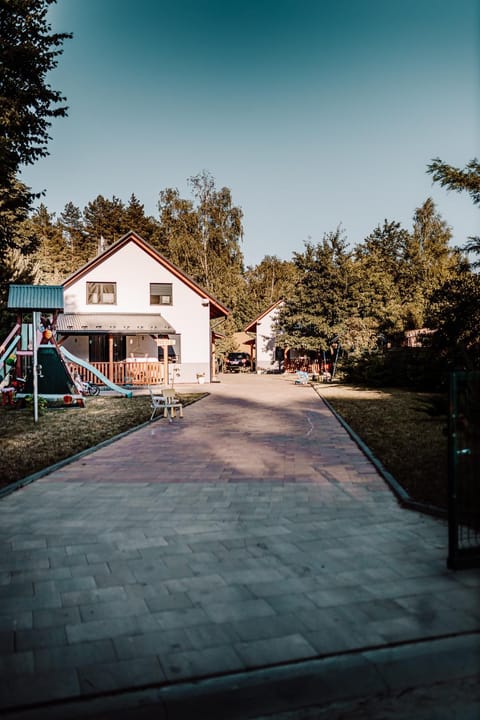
313	367
126	373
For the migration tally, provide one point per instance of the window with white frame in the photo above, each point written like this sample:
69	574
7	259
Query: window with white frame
101	293
161	294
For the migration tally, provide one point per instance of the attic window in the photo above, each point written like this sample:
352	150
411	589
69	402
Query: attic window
101	293
160	293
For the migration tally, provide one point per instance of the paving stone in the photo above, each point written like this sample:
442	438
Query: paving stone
92	570
469	578
168	601
100	629
338	616
156	642
142	544
41	574
74	656
251	576
205	583
268	627
42	687
20	620
227	612
40	638
97	595
67	561
201	663
26	542
210	635
84	548
7	641
287	586
73	584
27	602
64	541
16	589
225	594
23	561
114	578
393	630
57	616
381	609
339	596
275	650
108	677
113	609
465	599
18	663
413	586
291	603
181	617
93	558
153	573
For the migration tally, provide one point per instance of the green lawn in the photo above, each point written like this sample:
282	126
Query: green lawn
401	430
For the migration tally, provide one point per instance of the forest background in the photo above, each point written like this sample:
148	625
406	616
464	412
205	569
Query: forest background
367	295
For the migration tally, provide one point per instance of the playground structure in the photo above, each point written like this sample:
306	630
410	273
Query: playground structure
31	361
95	372
57	380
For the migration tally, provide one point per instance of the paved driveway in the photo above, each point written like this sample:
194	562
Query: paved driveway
250	535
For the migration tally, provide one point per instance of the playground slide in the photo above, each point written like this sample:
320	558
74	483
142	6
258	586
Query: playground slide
94	371
9	351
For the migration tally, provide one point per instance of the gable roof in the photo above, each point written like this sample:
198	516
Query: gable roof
251	327
217	309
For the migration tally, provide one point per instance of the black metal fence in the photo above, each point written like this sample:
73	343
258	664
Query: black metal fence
464	471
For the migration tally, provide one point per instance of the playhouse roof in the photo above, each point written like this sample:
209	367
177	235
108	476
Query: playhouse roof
35	297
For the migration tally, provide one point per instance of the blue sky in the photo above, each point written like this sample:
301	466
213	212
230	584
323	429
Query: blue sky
314	113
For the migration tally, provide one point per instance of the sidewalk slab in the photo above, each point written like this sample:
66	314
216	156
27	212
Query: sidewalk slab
353	685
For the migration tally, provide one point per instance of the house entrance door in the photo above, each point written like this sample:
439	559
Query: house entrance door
99	348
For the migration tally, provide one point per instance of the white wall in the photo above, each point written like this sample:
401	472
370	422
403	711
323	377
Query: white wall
265	341
133	270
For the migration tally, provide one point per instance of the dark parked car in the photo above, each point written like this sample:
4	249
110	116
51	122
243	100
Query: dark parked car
237	361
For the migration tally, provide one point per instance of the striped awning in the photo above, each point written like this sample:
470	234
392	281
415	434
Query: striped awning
118	324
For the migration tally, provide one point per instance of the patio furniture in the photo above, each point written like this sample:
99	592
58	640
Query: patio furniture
166	401
302	378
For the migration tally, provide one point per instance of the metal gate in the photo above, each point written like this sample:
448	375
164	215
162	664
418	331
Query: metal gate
464	471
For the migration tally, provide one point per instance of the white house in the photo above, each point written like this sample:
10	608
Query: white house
267	356
133	314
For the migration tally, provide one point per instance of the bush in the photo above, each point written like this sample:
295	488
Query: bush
415	368
42	404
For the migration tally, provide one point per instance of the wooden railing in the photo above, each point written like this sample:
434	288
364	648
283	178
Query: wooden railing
125	373
305	365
